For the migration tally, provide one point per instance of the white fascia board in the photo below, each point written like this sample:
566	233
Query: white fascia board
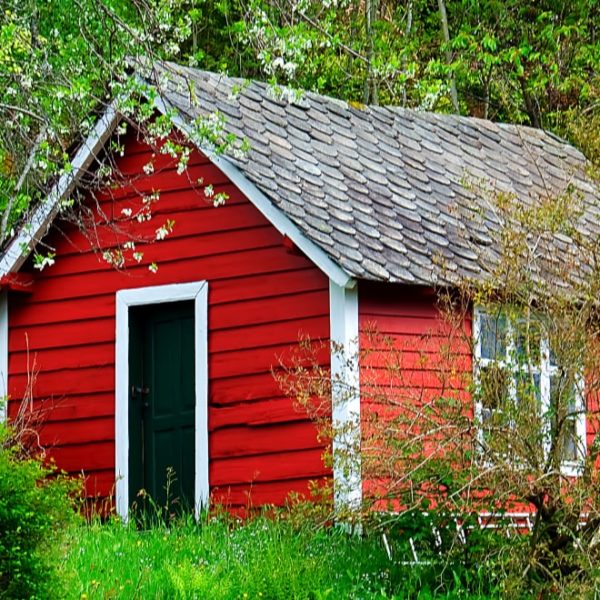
32	232
3	355
273	214
198	292
345	396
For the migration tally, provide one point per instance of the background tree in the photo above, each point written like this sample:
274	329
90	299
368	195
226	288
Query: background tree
534	63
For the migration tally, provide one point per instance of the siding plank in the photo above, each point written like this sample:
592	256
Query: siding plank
262	297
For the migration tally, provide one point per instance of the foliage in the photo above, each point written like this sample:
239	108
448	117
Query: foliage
61	61
512	61
35	508
490	415
221	557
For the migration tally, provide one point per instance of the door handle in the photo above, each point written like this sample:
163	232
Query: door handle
139	391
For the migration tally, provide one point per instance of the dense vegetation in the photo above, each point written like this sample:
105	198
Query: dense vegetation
528	62
272	558
35	510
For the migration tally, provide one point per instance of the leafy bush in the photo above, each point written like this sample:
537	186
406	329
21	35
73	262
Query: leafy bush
35	508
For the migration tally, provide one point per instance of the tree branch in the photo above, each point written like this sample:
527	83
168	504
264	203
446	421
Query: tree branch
22	110
28	166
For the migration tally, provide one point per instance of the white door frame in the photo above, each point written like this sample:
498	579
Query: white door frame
198	292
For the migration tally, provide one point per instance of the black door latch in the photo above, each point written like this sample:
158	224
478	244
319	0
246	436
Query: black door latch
138	391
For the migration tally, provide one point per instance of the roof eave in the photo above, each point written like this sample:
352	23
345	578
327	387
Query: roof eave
34	230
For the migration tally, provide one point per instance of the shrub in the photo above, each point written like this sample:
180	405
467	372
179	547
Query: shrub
35	508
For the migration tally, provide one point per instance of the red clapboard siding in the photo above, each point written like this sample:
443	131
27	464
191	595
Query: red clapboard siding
68	382
91	456
254	387
256	494
180	245
268	334
244	441
99	484
167	179
171	270
228	290
78	408
267	467
233	216
61	433
67	333
58	359
408	318
241	362
262	297
257	412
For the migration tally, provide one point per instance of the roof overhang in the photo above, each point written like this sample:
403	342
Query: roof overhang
34	230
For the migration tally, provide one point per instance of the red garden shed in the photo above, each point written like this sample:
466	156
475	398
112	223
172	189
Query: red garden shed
337	216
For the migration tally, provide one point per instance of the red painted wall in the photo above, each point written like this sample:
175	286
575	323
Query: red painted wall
261	296
404	340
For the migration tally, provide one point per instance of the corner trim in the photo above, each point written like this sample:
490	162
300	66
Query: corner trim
3	355
198	292
345	396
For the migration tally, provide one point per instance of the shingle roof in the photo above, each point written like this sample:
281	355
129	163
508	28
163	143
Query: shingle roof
389	194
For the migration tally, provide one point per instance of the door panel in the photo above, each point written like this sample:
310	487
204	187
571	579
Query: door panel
162	403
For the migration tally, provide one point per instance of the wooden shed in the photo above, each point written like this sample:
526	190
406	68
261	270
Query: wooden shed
336	218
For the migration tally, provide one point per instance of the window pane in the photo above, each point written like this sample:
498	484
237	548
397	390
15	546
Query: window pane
493	336
529	390
570	440
562	394
563	405
528	343
553	359
493	389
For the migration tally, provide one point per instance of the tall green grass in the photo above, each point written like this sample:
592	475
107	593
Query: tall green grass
284	556
222	559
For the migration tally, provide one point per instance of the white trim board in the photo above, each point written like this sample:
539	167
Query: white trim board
198	292
3	355
345	396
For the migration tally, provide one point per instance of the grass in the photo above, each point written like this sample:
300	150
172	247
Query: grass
222	560
283	556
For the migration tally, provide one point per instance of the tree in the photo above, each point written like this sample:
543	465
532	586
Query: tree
62	60
60	63
511	422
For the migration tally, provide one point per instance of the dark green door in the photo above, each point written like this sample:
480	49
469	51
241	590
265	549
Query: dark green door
161	405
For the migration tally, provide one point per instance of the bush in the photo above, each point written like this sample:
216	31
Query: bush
35	508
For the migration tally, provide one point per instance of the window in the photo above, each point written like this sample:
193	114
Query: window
526	405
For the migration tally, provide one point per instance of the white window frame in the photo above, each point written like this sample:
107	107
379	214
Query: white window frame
125	299
546	371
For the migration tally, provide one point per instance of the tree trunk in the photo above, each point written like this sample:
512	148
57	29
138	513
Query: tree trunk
407	32
371	92
446	34
530	107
